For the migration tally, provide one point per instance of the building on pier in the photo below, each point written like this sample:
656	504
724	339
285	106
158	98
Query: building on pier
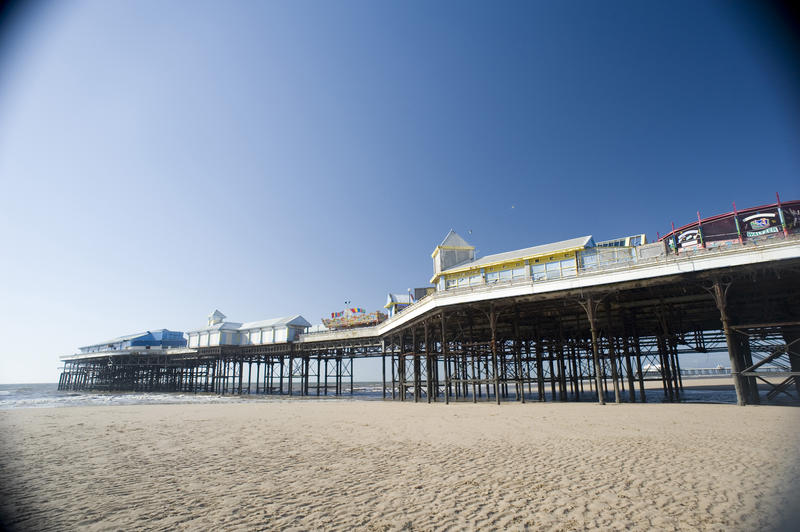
625	241
272	331
452	252
455	265
397	302
159	339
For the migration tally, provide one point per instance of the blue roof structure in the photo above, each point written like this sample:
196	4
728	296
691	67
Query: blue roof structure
161	338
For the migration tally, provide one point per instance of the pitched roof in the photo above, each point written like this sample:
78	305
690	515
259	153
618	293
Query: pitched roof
217	315
454	240
398	298
118	339
296	320
580	242
223	325
124	338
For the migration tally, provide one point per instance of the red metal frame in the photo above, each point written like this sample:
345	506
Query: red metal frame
719	216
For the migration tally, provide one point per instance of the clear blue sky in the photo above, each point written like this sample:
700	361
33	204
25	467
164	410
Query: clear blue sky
159	160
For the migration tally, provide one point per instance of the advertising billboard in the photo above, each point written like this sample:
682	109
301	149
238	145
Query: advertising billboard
749	223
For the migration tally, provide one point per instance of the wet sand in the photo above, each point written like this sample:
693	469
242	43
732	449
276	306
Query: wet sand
342	465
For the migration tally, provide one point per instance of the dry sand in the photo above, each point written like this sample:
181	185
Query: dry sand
342	465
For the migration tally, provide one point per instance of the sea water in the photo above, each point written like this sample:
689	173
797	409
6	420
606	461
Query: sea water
47	395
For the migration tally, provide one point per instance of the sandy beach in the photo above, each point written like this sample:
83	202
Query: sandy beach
372	465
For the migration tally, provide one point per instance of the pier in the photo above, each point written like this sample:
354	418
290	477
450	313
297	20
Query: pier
586	337
566	321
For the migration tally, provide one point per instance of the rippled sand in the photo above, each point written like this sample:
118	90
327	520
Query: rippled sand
342	465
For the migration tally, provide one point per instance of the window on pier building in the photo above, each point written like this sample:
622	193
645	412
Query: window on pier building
537	270
475	279
460	282
568	268
553	270
589	260
504	275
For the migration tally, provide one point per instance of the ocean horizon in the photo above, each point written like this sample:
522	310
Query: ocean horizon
47	395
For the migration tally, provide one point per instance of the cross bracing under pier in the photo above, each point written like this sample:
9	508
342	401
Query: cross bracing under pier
612	340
